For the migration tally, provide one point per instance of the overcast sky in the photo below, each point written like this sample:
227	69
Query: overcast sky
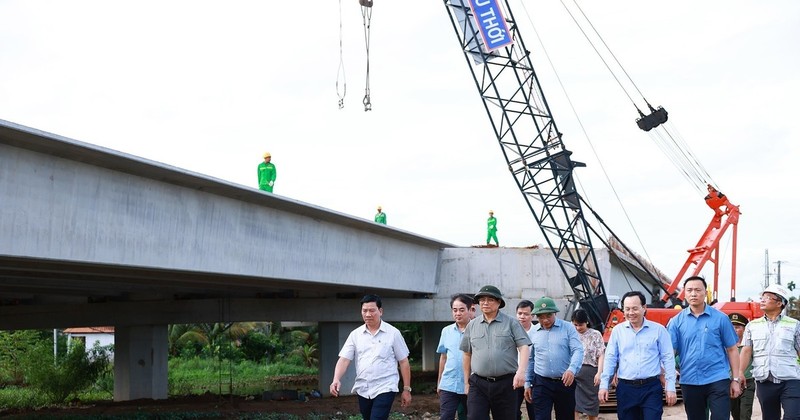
209	86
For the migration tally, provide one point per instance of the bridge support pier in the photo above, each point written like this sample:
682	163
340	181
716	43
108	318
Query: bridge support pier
332	336
140	362
431	332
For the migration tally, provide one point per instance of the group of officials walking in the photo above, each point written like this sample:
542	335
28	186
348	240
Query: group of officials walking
490	362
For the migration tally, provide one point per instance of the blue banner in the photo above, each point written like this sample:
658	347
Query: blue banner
491	24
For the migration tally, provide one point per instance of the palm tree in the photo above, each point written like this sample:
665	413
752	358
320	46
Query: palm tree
209	335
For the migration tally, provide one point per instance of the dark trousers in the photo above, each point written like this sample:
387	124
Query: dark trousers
497	397
772	396
449	403
640	401
742	407
528	406
377	408
715	396
550	393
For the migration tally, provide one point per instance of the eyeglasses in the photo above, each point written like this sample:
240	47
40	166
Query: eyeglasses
765	297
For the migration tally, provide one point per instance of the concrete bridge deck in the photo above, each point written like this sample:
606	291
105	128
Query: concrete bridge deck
91	236
80	224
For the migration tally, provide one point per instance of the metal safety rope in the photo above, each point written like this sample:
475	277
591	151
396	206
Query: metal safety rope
366	16
340	75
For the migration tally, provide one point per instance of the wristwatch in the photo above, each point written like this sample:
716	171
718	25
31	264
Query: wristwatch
735	379
407	388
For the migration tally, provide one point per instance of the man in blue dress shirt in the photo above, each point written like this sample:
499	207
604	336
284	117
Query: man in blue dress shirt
450	385
706	343
556	356
637	352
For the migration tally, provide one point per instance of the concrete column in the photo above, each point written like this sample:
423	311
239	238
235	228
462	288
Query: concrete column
332	336
430	340
140	362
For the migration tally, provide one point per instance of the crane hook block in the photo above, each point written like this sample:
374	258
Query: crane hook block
654	119
365	3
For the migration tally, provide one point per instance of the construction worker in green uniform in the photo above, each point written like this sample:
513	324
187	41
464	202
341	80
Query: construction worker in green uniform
266	174
491	229
380	217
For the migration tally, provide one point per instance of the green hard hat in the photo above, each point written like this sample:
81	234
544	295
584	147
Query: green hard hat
492	292
544	305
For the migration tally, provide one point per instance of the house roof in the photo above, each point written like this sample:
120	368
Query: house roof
90	330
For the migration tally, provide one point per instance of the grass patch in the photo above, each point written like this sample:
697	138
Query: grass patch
22	398
199	376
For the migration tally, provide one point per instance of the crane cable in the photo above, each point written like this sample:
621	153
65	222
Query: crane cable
672	146
366	17
607	49
340	74
588	138
682	157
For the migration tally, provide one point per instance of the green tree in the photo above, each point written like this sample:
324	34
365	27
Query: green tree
259	347
209	336
14	346
412	333
792	308
68	374
308	353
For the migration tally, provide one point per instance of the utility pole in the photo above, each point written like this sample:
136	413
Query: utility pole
766	268
778	277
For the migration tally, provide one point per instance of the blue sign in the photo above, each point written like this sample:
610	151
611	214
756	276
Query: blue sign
491	24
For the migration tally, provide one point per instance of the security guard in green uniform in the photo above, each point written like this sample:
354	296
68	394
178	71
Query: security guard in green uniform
491	229
266	173
742	407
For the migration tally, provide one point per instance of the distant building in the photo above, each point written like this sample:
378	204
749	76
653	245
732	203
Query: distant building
91	336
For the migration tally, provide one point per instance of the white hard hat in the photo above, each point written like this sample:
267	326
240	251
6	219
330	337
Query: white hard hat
779	290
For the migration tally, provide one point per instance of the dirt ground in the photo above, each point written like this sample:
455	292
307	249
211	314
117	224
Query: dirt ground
423	406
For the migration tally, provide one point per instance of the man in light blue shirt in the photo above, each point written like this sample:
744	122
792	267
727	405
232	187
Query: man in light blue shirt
556	356
706	343
450	385
637	352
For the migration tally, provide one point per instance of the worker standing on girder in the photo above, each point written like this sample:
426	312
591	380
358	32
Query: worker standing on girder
266	173
772	342
706	343
380	216
491	229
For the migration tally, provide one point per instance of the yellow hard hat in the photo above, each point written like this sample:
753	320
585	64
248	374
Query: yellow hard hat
491	212
266	155
379	207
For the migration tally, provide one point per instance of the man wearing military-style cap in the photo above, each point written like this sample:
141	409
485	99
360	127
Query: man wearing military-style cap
556	357
742	407
495	359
